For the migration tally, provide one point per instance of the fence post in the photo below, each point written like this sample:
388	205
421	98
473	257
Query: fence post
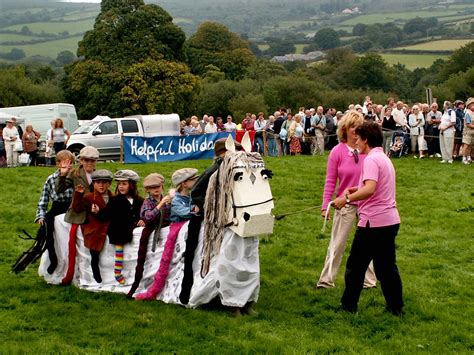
265	149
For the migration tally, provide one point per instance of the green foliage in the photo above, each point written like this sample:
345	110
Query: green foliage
157	86
435	263
460	61
327	38
280	47
214	44
240	105
359	29
420	25
65	57
457	86
17	89
14	54
370	72
127	32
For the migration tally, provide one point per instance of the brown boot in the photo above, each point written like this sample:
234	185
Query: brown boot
248	310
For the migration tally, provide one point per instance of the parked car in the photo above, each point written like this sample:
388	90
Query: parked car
105	133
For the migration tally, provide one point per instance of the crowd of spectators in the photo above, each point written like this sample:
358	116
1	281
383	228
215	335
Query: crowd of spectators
428	130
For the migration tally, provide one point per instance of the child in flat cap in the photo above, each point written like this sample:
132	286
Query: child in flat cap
123	211
181	212
94	203
155	212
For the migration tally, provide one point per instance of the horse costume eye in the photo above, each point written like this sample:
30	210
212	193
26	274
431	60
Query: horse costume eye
239	176
266	174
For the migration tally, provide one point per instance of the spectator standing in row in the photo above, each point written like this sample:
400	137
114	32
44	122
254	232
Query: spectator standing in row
468	132
211	127
388	127
416	121
230	126
30	143
270	133
318	121
277	125
331	125
446	132
399	116
203	122
10	136
59	135
220	125
459	127
433	119
308	133
259	127
295	133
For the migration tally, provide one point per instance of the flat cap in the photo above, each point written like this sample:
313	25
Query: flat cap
219	146
458	102
181	175
10	120
126	175
469	101
101	174
153	180
89	152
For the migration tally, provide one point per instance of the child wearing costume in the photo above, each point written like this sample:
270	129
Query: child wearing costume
155	212
94	203
60	204
181	212
123	211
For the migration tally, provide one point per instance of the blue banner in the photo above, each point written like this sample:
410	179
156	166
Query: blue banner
173	148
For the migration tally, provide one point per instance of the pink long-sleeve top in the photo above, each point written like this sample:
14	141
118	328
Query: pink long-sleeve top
342	172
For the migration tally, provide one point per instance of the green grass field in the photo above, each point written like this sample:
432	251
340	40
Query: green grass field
7	37
393	16
434	251
57	27
48	49
441	45
412	61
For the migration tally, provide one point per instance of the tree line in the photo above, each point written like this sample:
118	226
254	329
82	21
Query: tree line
137	61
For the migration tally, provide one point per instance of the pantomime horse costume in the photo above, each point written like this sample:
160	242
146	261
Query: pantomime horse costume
226	262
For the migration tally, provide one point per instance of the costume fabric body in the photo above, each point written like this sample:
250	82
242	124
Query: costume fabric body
375	236
152	218
343	169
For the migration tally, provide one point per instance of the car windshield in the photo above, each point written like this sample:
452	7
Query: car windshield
85	128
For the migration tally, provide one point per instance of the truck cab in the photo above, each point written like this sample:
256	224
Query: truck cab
105	133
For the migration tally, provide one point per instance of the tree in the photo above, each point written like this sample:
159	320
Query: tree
370	72
359	29
327	38
461	60
240	105
65	57
14	54
126	32
280	47
214	44
131	64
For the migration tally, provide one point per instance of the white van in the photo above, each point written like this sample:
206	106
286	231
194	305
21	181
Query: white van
40	116
105	133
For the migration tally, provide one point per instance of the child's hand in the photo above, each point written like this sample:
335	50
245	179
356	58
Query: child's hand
166	200
141	223
79	188
95	209
65	167
196	209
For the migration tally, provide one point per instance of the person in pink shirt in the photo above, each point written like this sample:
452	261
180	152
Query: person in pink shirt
343	169
378	225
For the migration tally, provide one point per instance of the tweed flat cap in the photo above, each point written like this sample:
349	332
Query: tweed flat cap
219	146
89	153
153	180
126	175
181	175
101	174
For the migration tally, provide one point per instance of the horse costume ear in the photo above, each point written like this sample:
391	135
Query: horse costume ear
229	144
246	144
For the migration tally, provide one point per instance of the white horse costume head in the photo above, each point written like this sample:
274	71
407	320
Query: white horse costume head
238	197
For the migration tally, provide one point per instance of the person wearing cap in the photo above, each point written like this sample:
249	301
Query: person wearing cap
181	212
60	203
94	203
458	127
10	136
123	212
446	133
155	212
70	178
198	196
468	132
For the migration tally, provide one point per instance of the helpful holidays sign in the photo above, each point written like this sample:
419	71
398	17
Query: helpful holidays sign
172	148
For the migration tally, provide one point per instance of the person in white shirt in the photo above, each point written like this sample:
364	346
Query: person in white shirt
416	121
259	127
446	133
229	125
399	115
10	136
211	127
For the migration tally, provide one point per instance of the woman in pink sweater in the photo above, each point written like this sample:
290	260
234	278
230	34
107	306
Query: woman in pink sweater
343	170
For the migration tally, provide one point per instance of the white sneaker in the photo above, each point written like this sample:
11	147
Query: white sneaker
450	161
431	156
438	155
465	162
443	161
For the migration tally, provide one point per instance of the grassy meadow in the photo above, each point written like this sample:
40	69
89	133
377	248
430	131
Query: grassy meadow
439	45
435	257
412	61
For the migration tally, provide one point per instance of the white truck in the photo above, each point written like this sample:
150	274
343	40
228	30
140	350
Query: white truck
105	133
40	116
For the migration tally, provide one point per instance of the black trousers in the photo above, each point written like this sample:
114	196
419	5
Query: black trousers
433	140
377	244
57	208
191	244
